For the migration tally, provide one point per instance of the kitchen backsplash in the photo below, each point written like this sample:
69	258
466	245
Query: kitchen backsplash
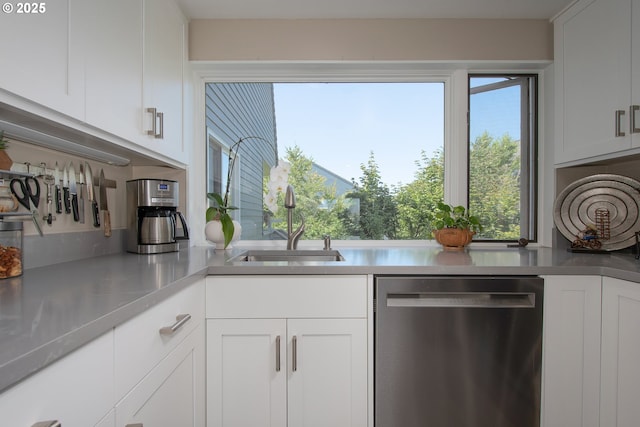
63	247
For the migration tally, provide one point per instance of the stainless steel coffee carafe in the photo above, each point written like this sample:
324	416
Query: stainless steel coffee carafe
152	216
157	227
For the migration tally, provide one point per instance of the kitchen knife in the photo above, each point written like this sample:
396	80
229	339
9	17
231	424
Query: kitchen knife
103	204
81	194
58	195
73	190
65	190
91	195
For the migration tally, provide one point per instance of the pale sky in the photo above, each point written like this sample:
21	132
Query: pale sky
339	124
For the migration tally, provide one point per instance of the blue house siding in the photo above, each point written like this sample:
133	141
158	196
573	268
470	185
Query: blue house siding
234	111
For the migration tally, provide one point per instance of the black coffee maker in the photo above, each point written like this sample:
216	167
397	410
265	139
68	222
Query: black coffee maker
152	217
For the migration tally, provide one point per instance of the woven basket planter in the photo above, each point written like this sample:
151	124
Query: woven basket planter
453	239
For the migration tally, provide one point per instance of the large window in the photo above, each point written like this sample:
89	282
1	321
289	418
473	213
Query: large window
367	160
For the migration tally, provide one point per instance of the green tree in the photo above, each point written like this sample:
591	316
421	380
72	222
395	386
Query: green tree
316	201
378	212
494	186
417	200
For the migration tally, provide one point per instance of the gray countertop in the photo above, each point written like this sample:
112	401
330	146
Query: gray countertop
50	311
432	260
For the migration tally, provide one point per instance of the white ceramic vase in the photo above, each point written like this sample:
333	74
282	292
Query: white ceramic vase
213	233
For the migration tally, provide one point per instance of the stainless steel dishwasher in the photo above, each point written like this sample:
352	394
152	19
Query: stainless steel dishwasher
462	351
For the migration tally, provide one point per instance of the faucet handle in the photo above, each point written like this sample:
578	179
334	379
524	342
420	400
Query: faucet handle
327	242
289	198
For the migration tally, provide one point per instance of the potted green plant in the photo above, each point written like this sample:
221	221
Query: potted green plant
220	227
454	226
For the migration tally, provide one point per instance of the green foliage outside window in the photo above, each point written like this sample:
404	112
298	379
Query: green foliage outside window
408	211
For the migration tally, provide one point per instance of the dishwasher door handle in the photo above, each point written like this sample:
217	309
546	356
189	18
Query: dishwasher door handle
462	300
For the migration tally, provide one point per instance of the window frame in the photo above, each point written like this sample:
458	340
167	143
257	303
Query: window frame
454	76
529	152
234	189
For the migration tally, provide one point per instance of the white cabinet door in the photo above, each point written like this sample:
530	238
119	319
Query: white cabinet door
620	353
173	392
314	367
246	372
571	366
42	54
593	78
135	59
328	372
114	67
164	55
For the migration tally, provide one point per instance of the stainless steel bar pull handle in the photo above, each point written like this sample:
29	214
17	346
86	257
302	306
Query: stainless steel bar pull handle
154	113
633	110
463	299
278	353
157	123
619	114
134	425
160	135
53	423
294	353
181	319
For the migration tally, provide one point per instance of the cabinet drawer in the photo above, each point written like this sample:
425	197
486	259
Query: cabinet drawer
139	345
286	296
76	390
172	394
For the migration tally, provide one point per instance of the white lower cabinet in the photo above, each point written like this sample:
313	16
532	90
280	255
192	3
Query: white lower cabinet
328	378
246	368
620	354
159	364
591	352
571	366
286	369
148	371
139	346
76	391
172	393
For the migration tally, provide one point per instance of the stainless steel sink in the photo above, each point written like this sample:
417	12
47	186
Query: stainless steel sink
298	255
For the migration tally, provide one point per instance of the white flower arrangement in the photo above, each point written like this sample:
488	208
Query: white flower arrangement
278	180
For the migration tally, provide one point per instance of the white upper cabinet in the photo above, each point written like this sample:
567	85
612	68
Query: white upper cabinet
41	51
104	63
135	72
593	50
114	67
164	55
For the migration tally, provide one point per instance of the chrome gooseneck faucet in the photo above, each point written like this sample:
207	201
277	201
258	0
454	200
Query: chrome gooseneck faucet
290	204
